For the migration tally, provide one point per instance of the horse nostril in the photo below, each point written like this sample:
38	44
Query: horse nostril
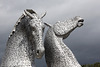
38	52
81	20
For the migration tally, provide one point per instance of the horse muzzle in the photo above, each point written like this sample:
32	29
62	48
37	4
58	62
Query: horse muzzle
80	22
40	53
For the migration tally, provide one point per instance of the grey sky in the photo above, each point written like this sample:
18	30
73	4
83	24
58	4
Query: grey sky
84	41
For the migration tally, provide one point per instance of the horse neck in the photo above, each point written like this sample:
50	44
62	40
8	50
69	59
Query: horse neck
52	38
58	48
18	50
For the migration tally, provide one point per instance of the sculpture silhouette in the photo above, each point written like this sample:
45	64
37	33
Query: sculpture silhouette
57	54
25	42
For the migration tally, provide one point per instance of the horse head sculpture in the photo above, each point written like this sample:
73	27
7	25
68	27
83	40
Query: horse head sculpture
25	42
66	27
35	29
57	54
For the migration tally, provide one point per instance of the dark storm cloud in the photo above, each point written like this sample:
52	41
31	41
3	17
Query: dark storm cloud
84	41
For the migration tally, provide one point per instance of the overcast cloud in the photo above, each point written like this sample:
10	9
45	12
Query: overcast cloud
84	41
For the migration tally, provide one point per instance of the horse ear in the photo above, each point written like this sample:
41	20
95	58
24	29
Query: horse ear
43	15
60	28
28	13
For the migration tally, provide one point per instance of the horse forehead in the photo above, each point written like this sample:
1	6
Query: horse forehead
36	22
39	24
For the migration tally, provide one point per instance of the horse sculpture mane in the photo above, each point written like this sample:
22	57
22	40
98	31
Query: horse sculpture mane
57	54
25	41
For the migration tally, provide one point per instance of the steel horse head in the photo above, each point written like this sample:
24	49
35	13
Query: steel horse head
36	27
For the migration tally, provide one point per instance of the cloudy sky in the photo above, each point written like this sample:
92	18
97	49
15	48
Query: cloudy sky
84	41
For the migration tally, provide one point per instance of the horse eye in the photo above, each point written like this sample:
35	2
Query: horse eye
33	28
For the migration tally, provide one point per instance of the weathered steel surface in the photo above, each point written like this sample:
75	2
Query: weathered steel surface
25	41
57	54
